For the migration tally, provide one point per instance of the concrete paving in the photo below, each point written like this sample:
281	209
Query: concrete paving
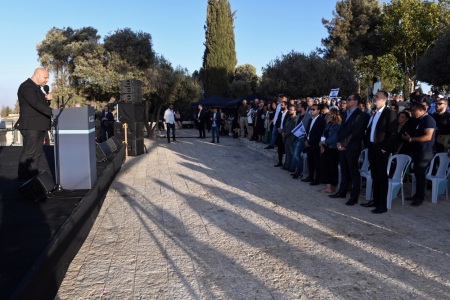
196	220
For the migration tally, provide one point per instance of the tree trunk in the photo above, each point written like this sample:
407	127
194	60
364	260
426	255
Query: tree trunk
150	133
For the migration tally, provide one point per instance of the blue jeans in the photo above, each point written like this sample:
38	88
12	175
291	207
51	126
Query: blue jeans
215	133
274	135
297	159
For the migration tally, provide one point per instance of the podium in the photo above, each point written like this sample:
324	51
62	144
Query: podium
77	160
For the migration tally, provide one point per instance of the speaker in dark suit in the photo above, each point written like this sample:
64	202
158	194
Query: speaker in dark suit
380	140
314	131
34	121
349	143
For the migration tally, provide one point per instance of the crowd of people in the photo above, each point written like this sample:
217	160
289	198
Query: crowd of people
333	133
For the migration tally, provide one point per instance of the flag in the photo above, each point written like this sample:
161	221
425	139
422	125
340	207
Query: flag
299	130
334	93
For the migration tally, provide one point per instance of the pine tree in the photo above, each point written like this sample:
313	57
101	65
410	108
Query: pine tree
219	59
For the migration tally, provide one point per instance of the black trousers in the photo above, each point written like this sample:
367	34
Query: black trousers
32	152
170	126
329	161
201	130
314	162
350	172
378	170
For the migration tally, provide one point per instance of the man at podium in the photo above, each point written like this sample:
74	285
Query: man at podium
34	121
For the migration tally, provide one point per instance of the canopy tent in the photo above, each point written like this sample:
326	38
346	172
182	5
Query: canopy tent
218	101
222	102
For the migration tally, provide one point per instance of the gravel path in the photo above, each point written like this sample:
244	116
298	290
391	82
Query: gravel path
195	220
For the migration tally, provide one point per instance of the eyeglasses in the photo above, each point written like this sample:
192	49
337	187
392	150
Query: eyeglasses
440	103
313	109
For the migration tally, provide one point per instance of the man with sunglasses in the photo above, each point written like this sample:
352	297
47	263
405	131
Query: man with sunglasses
349	144
442	118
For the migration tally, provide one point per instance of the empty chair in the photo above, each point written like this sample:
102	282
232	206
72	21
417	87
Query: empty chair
395	182
364	171
437	173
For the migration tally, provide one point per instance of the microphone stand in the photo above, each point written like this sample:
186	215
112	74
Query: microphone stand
58	186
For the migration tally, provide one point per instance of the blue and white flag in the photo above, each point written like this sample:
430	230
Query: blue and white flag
299	130
334	93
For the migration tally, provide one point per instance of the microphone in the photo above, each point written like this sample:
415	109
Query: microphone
46	89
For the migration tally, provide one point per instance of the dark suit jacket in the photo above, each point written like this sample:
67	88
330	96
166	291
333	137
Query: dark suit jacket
385	131
315	133
218	119
34	110
203	118
351	133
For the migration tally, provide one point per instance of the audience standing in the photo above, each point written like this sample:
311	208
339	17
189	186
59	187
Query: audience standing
349	143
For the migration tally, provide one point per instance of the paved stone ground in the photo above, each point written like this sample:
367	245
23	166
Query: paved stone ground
195	220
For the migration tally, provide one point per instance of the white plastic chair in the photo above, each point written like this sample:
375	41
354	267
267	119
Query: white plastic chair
364	171
395	183
439	179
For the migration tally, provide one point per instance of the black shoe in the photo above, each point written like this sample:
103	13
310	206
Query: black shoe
295	174
278	165
351	202
168	142
379	210
212	142
411	198
369	204
269	147
217	141
416	202
307	179
338	195
314	183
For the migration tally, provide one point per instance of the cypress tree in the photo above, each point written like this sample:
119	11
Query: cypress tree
219	59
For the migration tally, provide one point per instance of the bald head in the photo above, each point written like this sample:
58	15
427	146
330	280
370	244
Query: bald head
40	76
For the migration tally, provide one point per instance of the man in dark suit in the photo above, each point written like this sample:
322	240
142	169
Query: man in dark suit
107	124
380	140
349	144
202	118
215	120
314	130
34	121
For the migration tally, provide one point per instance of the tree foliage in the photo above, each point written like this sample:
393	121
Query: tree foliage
409	28
300	75
133	47
353	29
434	65
244	82
219	59
92	71
5	111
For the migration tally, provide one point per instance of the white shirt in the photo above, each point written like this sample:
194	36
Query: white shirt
283	114
277	111
374	121
169	116
312	123
214	120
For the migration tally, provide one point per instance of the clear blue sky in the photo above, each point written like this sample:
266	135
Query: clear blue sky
264	30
